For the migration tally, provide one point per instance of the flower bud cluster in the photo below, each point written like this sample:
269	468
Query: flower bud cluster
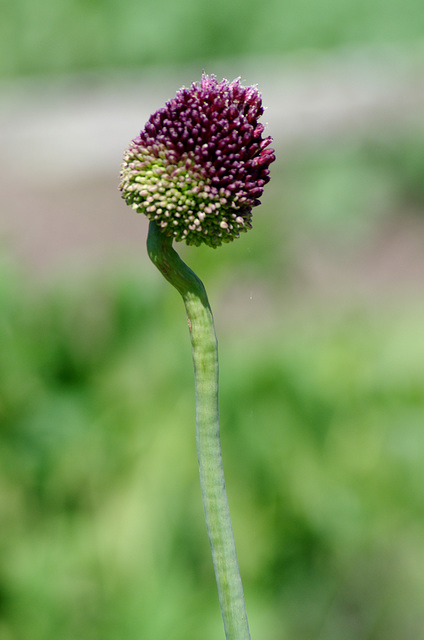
201	162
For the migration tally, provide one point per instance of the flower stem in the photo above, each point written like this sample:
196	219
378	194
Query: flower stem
205	360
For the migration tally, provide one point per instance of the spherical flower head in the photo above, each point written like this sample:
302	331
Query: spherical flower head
200	164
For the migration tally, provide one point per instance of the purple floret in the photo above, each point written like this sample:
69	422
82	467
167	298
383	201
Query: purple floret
200	164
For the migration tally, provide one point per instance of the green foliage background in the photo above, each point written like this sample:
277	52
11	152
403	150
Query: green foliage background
102	532
72	35
322	401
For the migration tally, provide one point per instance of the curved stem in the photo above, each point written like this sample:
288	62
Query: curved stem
205	360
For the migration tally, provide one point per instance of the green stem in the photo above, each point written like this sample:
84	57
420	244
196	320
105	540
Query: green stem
205	360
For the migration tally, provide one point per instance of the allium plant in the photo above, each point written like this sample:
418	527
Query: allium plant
196	171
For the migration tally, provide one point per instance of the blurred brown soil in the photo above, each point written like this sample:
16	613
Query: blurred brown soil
61	148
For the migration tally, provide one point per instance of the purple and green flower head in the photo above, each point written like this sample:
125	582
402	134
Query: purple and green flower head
200	164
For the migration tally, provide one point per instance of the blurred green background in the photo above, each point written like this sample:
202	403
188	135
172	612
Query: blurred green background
69	35
319	313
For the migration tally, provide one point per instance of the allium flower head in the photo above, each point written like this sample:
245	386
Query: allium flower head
200	164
